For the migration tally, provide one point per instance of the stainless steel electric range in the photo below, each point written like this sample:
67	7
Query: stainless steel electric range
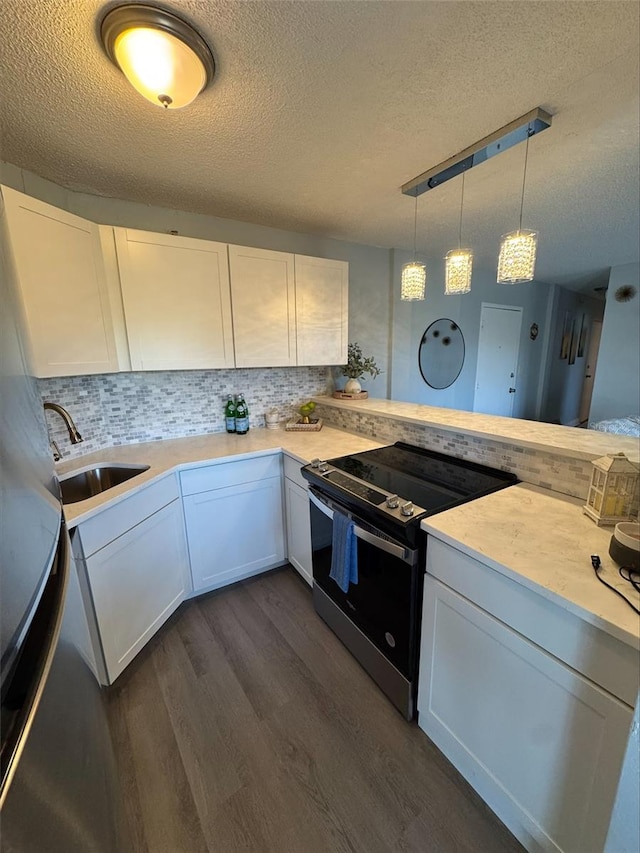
385	493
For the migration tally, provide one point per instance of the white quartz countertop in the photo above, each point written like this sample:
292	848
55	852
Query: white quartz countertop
566	441
179	453
544	541
539	538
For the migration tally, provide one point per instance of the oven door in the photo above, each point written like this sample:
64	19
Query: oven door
385	603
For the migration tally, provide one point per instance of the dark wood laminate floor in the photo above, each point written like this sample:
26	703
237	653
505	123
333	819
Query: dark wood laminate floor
245	725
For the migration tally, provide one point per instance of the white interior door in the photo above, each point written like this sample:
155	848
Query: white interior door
590	370
497	369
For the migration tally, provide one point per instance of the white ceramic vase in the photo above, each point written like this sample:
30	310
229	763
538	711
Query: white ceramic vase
352	386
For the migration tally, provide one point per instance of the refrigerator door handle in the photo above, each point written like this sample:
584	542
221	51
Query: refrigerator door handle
23	694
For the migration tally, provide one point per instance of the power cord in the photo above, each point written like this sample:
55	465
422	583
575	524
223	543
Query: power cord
631	576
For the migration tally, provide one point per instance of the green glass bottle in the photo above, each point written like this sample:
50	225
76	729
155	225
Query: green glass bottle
230	415
242	416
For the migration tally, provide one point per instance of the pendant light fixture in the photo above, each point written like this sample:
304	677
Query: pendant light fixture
458	262
414	274
160	54
517	259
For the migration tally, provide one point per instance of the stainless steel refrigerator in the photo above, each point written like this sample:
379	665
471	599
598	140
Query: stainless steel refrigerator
59	790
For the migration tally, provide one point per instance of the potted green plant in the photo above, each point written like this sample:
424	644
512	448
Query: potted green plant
356	368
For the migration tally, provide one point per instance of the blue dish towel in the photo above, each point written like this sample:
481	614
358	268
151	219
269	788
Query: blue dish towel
344	555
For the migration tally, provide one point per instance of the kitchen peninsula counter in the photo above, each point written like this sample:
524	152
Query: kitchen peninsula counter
180	453
565	441
544	541
528	661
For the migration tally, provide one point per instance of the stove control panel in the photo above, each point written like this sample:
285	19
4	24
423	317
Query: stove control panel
393	505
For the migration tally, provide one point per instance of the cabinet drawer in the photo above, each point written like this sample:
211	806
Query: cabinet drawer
292	471
597	655
113	522
230	474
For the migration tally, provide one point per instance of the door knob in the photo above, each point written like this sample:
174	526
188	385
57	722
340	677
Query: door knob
512	390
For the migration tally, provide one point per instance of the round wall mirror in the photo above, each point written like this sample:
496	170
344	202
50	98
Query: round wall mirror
441	353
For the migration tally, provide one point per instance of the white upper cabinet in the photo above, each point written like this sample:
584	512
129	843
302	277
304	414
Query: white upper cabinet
98	299
63	287
264	310
176	301
321	310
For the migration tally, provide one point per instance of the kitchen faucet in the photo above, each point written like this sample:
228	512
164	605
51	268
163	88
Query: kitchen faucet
74	435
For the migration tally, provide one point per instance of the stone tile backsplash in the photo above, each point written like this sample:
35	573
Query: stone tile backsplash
127	408
549	470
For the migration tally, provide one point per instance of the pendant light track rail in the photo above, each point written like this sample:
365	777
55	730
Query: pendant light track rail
500	140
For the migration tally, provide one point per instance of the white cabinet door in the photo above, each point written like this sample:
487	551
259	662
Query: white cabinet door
322	288
234	532
61	275
136	583
541	744
264	310
298	529
177	301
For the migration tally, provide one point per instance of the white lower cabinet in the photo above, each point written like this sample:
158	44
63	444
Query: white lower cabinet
137	580
298	529
296	499
541	743
234	520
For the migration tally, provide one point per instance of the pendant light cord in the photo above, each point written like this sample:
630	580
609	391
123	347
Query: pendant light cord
415	228
461	208
524	175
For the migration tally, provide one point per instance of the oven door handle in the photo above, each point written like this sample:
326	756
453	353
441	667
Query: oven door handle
322	506
382	544
404	554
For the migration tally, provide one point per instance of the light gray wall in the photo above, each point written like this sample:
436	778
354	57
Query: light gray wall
410	319
564	381
616	390
369	306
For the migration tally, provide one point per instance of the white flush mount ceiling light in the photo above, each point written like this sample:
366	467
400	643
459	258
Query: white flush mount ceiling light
414	274
458	263
517	259
160	54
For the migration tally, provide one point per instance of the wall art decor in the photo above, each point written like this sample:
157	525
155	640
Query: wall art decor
573	347
565	341
582	339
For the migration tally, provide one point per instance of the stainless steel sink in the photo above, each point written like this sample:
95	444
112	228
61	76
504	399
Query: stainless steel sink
86	484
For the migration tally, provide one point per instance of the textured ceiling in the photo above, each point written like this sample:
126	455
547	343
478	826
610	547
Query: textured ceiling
321	110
